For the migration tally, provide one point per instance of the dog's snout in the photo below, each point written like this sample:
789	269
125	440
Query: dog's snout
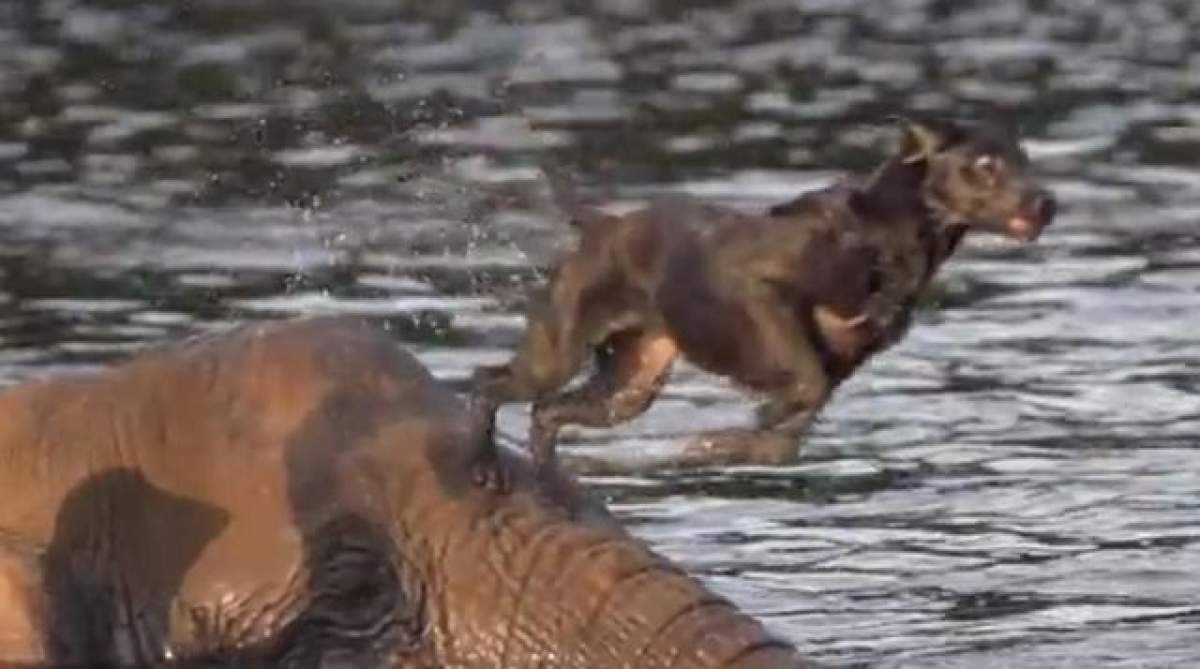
1043	206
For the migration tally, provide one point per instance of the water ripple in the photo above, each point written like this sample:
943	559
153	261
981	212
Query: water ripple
1014	485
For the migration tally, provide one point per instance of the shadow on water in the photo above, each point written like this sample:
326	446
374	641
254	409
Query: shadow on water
169	168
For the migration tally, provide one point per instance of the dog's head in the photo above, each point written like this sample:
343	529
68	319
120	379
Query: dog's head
977	175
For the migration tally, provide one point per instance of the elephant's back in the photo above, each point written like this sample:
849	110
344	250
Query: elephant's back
242	418
205	476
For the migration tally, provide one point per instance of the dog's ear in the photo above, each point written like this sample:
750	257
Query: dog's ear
924	137
997	122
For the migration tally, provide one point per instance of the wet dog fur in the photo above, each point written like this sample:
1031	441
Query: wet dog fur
788	303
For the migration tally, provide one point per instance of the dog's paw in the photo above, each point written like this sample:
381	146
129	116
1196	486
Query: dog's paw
492	474
729	447
770	414
543	441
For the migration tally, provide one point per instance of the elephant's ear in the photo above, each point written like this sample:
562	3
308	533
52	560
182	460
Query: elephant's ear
924	137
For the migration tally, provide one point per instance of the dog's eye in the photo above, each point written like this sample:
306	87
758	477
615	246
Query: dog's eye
987	164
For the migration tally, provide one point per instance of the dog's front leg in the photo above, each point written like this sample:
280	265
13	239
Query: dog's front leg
899	275
778	444
781	360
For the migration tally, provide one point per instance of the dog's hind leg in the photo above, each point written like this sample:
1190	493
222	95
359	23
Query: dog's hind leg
630	372
584	302
555	341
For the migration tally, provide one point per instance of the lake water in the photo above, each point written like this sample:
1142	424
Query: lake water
1016	485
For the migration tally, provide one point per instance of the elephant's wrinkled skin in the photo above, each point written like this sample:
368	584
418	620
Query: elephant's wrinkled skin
301	495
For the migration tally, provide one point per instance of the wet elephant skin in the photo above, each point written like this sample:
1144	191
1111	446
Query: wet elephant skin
301	495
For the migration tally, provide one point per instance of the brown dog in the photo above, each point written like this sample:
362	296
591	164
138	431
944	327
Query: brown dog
788	304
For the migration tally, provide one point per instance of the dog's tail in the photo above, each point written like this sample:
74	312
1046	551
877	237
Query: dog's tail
565	193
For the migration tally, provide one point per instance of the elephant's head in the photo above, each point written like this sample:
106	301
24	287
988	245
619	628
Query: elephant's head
351	531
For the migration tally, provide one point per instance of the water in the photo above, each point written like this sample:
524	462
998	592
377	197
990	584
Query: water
1016	485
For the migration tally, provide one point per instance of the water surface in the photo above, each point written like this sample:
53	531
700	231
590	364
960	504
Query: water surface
1015	485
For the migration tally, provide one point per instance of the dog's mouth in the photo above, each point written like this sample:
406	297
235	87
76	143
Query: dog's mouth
1023	228
1028	223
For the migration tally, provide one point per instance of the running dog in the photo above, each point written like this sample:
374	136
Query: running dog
788	304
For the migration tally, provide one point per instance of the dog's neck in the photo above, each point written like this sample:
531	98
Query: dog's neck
897	187
901	186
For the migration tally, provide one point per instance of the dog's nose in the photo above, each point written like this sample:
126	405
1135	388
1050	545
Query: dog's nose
1044	207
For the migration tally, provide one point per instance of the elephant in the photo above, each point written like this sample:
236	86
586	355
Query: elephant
300	494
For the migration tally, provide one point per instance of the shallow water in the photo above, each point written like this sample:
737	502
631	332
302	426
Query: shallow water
1015	485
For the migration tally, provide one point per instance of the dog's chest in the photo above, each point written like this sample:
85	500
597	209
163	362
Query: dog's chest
905	258
904	249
